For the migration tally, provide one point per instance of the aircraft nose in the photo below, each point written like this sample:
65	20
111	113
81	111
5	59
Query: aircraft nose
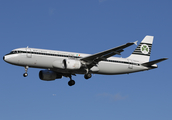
10	59
4	58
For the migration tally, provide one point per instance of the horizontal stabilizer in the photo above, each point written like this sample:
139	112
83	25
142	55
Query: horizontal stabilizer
148	64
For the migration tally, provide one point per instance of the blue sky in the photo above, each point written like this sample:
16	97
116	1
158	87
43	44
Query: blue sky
88	26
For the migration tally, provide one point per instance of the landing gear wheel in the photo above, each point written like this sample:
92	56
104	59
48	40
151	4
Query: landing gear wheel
25	74
26	69
87	76
71	82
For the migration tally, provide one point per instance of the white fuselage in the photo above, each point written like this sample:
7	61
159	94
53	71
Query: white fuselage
42	58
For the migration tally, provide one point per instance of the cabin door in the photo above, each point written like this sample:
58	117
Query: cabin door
130	64
28	53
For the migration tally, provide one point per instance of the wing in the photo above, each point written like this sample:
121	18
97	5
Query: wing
92	60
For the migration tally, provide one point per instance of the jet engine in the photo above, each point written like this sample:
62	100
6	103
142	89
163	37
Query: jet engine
67	64
71	64
48	75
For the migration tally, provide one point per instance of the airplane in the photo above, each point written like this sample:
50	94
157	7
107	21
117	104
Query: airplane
58	64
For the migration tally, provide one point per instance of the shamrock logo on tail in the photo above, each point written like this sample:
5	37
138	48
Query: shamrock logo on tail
144	49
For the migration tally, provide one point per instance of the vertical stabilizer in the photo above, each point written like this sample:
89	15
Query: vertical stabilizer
143	50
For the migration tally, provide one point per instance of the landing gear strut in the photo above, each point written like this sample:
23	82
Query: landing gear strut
71	82
26	69
87	74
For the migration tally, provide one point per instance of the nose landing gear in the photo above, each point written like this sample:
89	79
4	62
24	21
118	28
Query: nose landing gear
25	75
26	69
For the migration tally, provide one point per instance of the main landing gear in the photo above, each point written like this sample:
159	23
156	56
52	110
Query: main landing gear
26	69
71	82
87	75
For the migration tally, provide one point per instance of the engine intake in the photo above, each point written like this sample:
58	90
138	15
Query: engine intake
48	75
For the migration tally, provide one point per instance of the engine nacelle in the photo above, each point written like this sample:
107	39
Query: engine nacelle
67	64
48	75
72	64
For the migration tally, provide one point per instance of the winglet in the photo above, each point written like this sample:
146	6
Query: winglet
135	42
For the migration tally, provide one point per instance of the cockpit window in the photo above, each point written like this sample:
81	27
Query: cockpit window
12	52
